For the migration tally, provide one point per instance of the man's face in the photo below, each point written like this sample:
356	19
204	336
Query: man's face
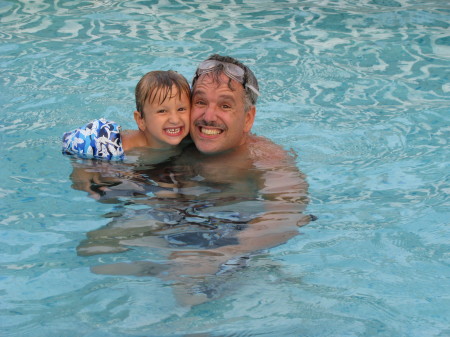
218	120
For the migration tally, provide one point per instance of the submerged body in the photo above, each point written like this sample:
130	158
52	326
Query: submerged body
199	211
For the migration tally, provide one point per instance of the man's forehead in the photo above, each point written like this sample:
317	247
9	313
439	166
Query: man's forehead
208	79
224	94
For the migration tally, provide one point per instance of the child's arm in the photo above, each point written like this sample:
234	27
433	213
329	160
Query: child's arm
93	177
99	139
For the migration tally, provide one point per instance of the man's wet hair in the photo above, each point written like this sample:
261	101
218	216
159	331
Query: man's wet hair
249	78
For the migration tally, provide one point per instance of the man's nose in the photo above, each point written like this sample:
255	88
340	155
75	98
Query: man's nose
210	113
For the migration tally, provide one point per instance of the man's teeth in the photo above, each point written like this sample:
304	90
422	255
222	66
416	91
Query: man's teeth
176	130
210	131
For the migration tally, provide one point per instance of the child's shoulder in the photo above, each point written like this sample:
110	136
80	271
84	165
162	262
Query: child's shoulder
132	139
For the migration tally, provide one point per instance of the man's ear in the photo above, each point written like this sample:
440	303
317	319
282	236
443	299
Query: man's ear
139	120
249	118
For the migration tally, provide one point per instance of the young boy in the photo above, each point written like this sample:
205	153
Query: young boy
162	116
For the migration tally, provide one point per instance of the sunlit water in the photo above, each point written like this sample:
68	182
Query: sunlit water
359	89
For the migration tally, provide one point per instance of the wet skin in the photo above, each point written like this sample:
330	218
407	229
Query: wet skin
218	120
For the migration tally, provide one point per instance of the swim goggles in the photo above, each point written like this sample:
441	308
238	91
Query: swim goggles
233	71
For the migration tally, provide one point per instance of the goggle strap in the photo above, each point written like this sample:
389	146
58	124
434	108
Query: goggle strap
252	88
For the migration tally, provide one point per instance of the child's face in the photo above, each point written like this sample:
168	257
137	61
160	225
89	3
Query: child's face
166	124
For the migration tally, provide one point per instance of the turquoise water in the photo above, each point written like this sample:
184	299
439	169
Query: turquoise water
359	89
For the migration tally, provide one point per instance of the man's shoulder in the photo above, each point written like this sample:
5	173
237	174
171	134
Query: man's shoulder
265	151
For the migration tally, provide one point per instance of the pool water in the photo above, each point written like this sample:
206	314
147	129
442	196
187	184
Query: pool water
360	90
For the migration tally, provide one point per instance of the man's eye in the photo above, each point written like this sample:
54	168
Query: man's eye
226	106
200	102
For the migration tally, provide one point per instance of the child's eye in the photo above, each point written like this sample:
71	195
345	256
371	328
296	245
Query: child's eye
161	111
182	109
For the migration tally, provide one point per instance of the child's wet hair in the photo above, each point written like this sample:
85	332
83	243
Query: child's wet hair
158	85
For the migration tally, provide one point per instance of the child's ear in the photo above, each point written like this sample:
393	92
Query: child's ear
139	120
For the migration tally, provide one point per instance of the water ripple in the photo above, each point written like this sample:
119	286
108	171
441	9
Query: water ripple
360	89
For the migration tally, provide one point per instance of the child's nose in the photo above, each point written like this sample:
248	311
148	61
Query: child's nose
174	117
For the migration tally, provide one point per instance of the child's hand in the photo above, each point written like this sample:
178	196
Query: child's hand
90	181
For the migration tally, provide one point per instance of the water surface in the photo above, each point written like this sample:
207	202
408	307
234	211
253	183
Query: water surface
358	89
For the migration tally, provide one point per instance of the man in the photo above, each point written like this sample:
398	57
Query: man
224	95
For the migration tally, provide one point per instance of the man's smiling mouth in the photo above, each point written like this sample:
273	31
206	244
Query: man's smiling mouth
210	132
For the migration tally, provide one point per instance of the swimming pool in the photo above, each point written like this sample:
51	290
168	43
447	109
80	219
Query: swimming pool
359	89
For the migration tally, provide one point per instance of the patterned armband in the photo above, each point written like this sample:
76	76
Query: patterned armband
99	139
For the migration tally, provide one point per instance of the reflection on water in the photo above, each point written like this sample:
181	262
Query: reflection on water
195	210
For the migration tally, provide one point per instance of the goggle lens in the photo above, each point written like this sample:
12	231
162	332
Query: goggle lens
231	70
